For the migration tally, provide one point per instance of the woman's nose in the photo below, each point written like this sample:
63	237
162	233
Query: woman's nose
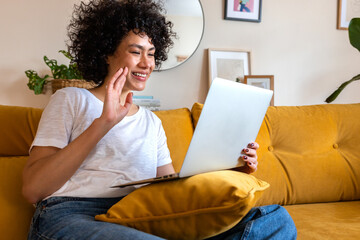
146	61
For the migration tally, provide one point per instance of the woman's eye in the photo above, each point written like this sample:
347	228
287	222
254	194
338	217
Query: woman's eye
135	52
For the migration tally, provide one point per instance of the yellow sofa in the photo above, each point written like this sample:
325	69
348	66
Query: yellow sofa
310	155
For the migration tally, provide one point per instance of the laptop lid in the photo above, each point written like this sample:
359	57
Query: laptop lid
231	118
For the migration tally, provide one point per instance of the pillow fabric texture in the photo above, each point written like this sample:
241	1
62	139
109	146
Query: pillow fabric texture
196	207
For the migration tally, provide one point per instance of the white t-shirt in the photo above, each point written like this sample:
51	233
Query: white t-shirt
131	150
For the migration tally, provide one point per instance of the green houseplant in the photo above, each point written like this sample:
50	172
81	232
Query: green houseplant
354	37
37	83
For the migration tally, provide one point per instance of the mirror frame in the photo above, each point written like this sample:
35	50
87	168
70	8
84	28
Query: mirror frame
196	48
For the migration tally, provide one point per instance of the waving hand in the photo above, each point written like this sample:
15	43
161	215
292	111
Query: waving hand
114	111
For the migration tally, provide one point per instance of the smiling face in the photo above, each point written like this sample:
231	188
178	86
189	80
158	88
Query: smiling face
136	52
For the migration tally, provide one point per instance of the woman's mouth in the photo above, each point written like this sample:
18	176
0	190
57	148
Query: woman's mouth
140	76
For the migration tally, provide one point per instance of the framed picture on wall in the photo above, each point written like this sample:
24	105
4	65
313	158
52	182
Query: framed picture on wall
243	10
228	64
263	81
347	9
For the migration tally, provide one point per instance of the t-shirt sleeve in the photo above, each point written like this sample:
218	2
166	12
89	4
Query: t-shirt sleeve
56	122
163	155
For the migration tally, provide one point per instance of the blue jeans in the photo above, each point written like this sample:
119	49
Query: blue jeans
73	218
266	222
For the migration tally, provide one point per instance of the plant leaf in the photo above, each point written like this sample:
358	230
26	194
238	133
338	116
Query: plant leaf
66	54
335	94
354	33
51	63
36	83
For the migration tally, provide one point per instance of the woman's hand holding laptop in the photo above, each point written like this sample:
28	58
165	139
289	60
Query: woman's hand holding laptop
250	159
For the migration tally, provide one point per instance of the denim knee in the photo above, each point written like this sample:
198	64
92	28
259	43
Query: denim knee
262	223
274	222
288	222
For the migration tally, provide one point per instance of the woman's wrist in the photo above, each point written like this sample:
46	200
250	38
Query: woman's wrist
102	126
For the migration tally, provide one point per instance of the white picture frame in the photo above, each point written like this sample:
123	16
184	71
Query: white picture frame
229	64
263	81
347	9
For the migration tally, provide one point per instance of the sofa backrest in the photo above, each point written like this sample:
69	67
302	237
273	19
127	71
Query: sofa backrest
179	129
309	153
18	129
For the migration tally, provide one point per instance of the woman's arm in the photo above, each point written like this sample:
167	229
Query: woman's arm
165	170
48	168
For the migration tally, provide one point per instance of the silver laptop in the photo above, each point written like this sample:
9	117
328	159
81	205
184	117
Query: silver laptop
231	118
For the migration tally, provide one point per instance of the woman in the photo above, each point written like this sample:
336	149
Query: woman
88	141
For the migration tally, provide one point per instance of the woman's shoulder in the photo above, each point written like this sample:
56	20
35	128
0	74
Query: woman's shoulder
72	94
69	91
149	114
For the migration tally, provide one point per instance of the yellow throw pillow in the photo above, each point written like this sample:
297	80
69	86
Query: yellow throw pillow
197	207
195	112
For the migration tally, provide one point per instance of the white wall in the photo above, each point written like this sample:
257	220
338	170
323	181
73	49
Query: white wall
29	30
297	41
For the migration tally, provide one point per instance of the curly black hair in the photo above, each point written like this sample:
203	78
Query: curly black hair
97	28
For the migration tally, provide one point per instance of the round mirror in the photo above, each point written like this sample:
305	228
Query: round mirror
188	19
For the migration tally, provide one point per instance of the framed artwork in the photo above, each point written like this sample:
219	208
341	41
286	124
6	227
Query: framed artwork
347	9
228	64
263	81
243	10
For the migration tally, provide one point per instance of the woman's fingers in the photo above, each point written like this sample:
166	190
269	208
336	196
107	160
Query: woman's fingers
113	110
251	163
112	81
253	145
120	80
250	160
250	152
252	166
250	157
128	101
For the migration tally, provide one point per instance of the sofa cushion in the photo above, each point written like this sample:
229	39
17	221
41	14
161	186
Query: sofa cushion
339	220
178	128
18	129
192	208
14	208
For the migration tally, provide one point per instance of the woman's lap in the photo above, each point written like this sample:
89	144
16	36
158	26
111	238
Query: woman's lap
73	218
